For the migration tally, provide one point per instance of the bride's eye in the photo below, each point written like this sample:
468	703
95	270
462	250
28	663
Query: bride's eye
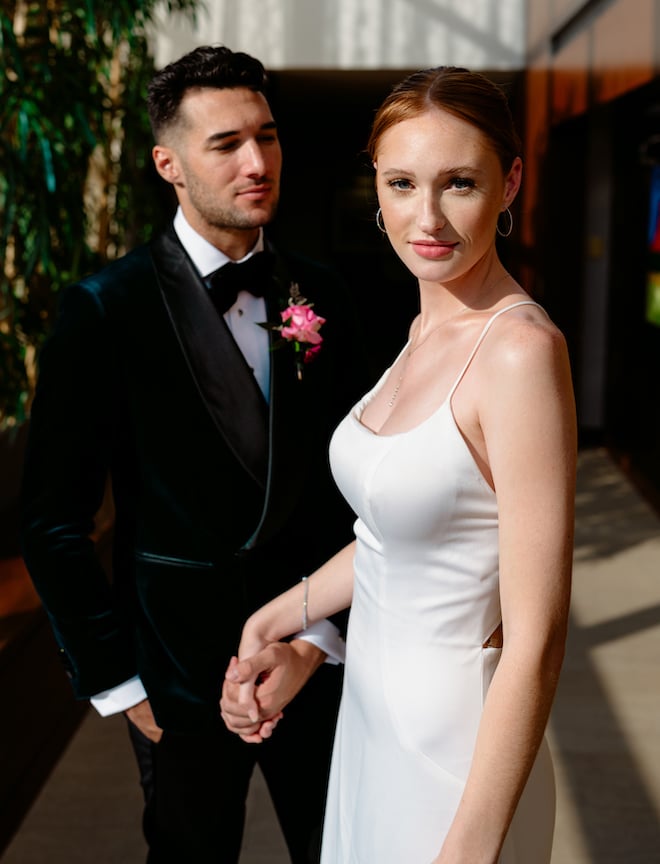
462	183
400	184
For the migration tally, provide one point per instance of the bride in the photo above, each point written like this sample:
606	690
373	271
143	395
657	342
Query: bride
460	466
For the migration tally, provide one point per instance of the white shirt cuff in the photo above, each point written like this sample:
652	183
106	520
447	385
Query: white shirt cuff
119	698
325	636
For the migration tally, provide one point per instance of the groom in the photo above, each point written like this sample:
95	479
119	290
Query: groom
158	377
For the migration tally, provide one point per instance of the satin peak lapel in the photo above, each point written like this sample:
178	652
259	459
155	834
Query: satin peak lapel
288	413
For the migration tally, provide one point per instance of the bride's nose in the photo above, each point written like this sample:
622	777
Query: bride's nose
431	217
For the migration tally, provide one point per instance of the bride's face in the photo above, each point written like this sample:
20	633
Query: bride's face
441	188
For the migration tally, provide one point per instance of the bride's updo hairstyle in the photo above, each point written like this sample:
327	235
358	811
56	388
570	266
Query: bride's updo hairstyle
468	95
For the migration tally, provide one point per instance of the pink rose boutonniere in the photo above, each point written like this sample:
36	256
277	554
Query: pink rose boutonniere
300	327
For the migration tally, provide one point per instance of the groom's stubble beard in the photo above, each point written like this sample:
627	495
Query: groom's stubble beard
222	214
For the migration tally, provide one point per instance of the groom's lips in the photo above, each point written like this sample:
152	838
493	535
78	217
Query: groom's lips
256	193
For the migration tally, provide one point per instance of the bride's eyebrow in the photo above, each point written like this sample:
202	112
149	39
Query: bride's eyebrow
450	171
462	170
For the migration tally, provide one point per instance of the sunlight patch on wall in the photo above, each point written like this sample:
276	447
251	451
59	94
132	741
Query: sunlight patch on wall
357	34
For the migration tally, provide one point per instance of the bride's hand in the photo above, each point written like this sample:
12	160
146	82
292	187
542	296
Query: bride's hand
257	689
239	706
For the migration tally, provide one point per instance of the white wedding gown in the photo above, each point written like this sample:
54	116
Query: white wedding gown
425	600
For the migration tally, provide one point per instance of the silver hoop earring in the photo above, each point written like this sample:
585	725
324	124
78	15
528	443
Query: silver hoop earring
509	227
379	221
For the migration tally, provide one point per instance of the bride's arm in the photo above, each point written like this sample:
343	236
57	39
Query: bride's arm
528	420
285	665
327	591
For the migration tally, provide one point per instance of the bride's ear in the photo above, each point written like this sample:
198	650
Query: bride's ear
512	182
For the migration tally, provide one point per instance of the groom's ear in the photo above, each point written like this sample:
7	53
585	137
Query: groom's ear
167	164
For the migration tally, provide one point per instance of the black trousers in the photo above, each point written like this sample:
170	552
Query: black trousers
195	786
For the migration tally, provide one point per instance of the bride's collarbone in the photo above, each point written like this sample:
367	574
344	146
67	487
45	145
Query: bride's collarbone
421	381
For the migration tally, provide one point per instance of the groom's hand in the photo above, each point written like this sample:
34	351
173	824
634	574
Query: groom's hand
142	716
257	689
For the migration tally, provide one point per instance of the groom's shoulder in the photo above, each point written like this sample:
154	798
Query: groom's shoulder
133	267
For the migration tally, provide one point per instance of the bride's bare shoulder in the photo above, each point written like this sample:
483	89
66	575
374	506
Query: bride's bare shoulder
524	339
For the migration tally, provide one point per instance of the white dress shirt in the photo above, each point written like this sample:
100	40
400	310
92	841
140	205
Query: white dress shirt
242	319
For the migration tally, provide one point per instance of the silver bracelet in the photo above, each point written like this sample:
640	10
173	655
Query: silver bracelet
305	582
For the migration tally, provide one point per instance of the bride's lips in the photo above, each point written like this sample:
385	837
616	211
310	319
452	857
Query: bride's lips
432	249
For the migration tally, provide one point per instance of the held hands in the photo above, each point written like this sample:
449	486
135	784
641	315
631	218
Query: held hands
256	689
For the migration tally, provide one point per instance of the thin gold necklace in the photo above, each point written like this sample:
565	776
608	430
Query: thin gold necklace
412	349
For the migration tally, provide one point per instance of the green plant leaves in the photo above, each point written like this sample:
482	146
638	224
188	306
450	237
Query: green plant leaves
73	188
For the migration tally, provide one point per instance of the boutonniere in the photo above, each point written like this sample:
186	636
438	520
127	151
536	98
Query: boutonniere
300	328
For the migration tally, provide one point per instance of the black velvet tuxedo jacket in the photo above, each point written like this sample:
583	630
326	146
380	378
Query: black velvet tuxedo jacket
221	500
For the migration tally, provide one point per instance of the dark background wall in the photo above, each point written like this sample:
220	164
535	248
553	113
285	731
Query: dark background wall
328	204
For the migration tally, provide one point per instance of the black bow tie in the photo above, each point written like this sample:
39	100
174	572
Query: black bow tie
253	275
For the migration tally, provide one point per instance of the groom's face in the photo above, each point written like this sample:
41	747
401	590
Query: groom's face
224	159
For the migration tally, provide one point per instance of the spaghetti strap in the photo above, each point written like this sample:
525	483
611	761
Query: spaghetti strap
482	336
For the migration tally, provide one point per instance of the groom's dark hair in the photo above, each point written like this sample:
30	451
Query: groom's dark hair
213	66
